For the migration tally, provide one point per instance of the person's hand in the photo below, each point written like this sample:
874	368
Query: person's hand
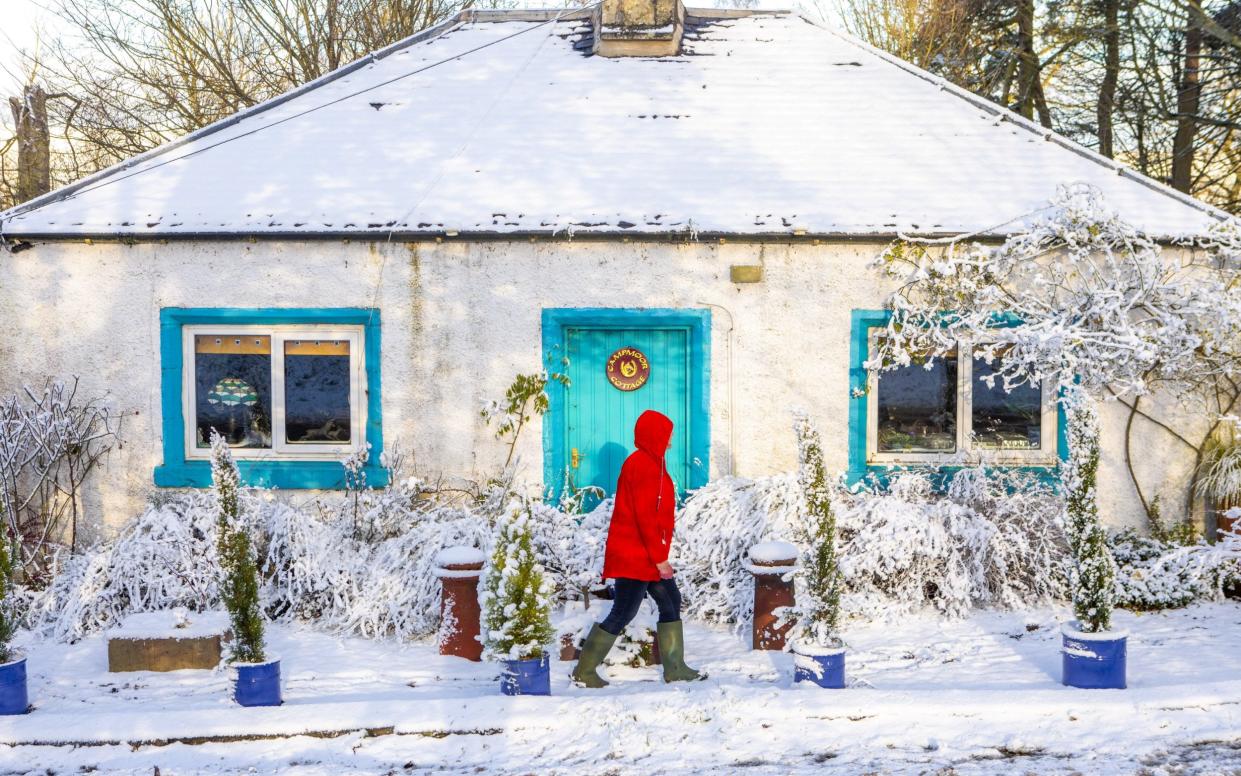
665	570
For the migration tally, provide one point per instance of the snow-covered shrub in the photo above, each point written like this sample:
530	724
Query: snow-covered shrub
398	592
514	595
239	577
1172	567
818	581
1219	475
716	528
1149	576
164	558
992	538
50	443
570	546
1092	577
312	565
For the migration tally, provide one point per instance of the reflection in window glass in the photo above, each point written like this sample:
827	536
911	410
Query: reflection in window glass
316	391
232	377
918	407
1005	420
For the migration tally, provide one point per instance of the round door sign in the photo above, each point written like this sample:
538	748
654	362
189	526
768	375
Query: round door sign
628	369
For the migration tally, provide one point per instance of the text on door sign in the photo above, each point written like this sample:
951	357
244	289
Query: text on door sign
628	369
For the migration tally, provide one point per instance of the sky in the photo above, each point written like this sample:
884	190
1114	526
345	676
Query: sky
18	22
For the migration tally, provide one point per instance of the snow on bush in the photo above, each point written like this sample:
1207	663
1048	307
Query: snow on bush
365	566
992	538
1170	571
165	558
570	546
316	565
515	597
1148	578
718	525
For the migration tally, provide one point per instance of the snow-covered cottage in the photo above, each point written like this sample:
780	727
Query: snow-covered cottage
675	207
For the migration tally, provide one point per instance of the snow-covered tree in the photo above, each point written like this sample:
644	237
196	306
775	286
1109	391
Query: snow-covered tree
239	585
1080	298
819	579
515	594
1086	305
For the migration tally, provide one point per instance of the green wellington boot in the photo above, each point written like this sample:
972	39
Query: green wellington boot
672	654
594	651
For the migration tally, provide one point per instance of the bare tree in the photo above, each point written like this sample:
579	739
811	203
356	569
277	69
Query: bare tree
33	142
129	76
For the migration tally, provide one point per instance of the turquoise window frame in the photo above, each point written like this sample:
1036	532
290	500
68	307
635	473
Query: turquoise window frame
862	321
177	472
556	320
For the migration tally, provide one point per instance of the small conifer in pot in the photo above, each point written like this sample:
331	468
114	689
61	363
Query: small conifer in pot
516	603
818	650
258	679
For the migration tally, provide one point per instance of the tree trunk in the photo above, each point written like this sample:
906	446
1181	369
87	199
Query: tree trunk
1028	79
1188	99
34	167
1111	74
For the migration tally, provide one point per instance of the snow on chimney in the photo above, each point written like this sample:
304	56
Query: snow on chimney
639	28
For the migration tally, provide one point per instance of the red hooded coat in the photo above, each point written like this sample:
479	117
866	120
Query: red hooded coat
643	517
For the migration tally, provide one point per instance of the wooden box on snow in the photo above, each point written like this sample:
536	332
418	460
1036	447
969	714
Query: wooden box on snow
167	641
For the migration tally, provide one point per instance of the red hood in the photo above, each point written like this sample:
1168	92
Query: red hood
651	434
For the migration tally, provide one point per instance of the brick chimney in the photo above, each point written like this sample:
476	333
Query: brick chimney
639	28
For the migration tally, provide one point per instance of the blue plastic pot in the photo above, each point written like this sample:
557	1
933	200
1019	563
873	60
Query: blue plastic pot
258	684
826	671
527	677
1094	661
13	697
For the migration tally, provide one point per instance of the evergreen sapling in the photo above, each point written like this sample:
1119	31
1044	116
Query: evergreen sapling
515	594
819	579
8	623
1093	572
239	585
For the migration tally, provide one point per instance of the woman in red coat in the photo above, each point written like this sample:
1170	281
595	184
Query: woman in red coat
636	556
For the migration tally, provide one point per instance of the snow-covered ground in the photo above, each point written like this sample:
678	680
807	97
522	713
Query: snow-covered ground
926	695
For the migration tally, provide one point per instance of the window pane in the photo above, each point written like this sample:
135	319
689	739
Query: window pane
1005	421
316	391
232	379
918	407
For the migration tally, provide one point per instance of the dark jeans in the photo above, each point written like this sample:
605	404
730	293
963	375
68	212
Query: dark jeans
628	598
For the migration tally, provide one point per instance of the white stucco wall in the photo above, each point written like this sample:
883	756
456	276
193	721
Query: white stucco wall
461	319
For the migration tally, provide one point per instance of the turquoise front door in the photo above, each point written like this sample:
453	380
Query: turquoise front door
594	416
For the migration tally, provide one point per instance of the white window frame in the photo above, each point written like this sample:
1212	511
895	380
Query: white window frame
281	448
966	451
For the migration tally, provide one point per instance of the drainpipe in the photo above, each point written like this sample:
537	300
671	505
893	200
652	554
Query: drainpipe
732	436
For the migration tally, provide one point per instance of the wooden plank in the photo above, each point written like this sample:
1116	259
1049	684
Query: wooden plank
163	654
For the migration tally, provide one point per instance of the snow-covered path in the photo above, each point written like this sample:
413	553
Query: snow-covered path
978	696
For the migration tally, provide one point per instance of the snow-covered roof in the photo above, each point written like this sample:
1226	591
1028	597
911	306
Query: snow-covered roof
502	122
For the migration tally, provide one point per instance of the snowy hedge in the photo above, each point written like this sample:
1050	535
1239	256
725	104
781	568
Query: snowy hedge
1166	572
362	563
992	539
358	563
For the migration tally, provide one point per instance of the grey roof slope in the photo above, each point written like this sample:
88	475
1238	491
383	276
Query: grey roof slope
498	123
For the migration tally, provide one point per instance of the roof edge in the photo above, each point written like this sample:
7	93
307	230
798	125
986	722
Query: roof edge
546	235
1005	114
